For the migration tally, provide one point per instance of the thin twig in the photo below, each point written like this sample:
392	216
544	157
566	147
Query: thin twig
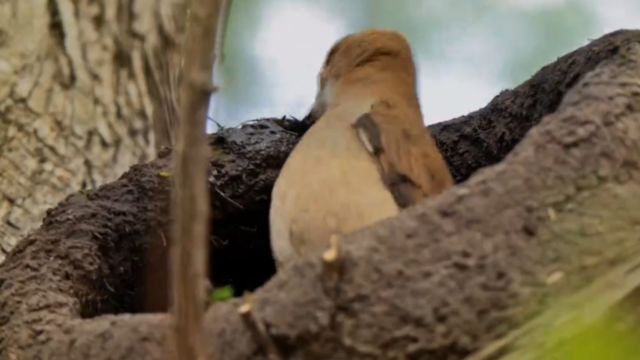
226	197
258	330
191	197
331	258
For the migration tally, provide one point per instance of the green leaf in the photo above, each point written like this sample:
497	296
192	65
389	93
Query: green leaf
221	294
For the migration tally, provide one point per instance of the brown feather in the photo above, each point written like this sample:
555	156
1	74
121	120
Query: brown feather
409	161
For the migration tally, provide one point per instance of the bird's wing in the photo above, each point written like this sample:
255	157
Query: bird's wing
409	161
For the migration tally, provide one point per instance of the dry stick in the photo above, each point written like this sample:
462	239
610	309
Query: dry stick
221	31
190	253
331	258
257	329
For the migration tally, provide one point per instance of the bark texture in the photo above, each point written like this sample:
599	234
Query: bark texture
443	279
75	105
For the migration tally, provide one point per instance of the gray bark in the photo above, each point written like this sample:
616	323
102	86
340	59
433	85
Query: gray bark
75	104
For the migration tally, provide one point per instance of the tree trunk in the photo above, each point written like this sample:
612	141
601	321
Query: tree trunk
454	274
75	84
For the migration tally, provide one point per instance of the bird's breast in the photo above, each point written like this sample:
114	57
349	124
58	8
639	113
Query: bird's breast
328	185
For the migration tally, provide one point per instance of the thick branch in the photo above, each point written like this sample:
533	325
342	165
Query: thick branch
485	136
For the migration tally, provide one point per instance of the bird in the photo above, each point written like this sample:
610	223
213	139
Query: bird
367	154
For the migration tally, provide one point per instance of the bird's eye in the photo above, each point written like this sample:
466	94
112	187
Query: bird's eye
375	56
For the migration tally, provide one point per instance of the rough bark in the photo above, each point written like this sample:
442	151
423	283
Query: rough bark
496	128
441	280
75	107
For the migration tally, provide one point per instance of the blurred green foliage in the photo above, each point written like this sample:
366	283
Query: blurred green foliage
222	293
604	340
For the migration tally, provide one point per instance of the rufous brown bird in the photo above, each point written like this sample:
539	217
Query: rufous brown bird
367	155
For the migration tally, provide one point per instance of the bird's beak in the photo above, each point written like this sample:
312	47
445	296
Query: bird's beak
317	109
314	114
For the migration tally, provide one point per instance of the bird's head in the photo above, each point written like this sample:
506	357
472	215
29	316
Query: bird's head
360	56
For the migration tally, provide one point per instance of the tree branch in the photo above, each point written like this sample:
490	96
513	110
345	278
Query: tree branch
190	260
